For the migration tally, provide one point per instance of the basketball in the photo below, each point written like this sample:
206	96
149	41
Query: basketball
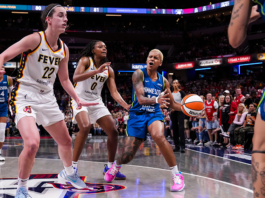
192	105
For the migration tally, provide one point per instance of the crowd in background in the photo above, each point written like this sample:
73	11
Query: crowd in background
231	122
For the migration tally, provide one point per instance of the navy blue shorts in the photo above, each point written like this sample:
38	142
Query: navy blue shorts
138	123
3	109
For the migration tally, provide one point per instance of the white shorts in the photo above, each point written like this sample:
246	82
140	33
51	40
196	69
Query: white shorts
43	107
94	112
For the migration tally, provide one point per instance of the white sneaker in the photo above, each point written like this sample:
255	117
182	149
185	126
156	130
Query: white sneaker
208	143
214	143
2	158
200	144
196	141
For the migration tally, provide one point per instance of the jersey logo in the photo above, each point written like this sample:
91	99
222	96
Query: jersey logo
159	85
27	109
43	186
44	49
4	82
147	81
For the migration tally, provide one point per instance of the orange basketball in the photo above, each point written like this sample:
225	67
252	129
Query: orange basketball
192	105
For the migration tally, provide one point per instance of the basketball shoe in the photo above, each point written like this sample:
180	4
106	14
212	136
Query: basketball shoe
118	176
74	179
178	182
112	172
22	192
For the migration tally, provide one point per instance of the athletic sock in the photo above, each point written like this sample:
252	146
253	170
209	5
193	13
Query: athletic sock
22	183
110	164
174	169
75	164
69	170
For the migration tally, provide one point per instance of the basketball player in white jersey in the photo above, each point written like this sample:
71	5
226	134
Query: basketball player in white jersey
32	98
90	75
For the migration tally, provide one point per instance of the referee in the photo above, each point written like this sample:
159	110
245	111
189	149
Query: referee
177	118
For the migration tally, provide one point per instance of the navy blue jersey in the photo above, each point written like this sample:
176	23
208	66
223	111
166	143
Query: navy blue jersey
4	90
151	90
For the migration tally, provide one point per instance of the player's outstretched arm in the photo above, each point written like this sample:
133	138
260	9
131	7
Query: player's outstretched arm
29	42
114	92
137	80
172	104
66	83
237	30
83	64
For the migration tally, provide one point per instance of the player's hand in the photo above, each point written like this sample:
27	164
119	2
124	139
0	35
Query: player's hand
254	14
128	106
103	67
163	98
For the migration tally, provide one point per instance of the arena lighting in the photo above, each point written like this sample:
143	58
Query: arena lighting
247	64
203	69
125	71
171	74
111	10
19	12
115	15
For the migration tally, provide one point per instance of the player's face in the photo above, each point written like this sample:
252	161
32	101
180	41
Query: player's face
100	50
153	60
58	20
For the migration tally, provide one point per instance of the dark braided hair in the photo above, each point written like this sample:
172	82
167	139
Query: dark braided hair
87	52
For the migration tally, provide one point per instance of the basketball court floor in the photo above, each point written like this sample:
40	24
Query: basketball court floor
208	172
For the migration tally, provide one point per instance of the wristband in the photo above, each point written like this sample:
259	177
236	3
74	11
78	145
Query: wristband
156	99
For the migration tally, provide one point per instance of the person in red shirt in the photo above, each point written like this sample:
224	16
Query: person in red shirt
239	97
210	107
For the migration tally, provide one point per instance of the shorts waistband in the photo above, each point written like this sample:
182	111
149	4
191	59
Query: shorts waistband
33	89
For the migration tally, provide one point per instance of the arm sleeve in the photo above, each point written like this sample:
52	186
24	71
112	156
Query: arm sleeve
242	119
215	105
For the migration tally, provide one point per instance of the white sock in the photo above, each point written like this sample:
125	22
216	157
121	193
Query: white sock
174	169
110	164
69	170
22	182
75	164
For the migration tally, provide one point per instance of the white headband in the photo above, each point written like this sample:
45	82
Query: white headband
52	9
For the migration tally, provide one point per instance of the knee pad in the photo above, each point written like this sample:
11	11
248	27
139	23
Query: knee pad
2	131
262	152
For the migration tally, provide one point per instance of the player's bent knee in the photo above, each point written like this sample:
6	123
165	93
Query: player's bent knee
2	131
85	127
159	138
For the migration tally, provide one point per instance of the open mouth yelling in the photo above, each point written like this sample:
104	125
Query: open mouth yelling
151	63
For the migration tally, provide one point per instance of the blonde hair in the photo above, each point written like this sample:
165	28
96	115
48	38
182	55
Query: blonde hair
161	54
244	108
222	96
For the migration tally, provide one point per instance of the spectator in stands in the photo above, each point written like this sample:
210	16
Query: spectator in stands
238	122
248	126
202	125
239	97
226	92
210	107
97	129
177	118
125	119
